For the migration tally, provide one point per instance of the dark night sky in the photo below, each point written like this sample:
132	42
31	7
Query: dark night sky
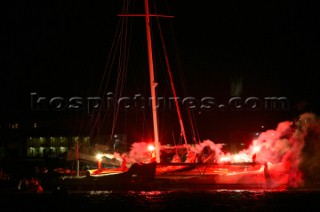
60	49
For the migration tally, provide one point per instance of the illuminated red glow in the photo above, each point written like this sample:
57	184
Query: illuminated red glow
274	153
151	147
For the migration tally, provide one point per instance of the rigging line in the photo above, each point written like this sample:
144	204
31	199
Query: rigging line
196	136
116	44
119	81
174	141
172	87
121	75
124	52
192	121
115	94
96	114
192	125
106	76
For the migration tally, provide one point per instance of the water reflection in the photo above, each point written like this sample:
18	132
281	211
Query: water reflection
158	200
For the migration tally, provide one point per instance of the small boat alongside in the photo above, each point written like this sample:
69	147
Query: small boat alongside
139	175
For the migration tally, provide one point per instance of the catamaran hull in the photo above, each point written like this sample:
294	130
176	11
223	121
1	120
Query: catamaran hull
224	176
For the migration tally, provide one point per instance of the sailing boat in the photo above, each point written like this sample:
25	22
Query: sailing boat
189	172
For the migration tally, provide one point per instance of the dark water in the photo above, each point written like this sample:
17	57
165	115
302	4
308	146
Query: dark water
168	200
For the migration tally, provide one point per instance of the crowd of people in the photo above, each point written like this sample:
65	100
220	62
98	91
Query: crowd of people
31	185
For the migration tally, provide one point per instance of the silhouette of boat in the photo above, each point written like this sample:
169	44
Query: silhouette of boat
187	174
139	175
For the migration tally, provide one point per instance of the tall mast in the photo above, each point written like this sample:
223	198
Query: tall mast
153	84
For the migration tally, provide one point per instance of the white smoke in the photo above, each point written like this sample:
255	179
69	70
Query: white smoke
294	143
